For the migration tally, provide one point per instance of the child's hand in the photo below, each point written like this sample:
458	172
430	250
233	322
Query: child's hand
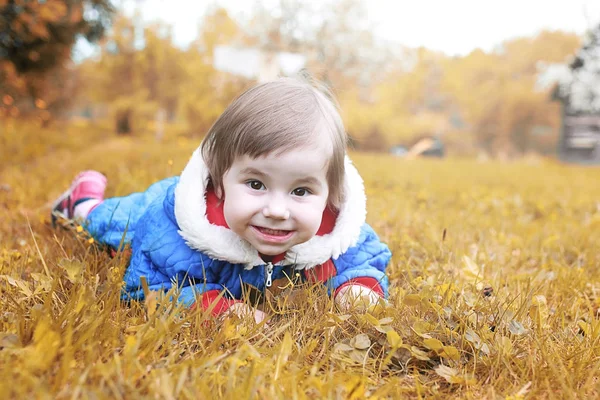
244	310
356	296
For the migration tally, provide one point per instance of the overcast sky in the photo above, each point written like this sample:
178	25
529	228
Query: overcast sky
455	27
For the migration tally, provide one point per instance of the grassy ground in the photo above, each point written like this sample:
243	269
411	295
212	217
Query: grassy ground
495	289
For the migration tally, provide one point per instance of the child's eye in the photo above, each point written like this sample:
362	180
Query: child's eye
301	192
255	185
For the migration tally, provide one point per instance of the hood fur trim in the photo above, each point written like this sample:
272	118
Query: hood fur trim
222	243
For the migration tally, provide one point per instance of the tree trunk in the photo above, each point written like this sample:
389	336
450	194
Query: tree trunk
123	122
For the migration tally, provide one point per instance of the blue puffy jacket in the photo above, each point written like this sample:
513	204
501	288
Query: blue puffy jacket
172	243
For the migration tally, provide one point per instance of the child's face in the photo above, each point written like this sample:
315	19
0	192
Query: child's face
276	202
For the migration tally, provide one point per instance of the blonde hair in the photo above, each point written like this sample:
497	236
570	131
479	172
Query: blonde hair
272	118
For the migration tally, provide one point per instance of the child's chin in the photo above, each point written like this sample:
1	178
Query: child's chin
272	251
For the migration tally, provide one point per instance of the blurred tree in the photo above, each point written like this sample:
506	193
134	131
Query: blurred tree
335	35
405	104
139	74
496	93
579	81
162	68
488	98
142	74
208	91
38	35
35	46
344	48
217	28
114	78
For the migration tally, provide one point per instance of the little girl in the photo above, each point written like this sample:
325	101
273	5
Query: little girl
269	194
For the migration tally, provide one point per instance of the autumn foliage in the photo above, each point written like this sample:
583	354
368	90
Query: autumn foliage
483	102
37	77
494	281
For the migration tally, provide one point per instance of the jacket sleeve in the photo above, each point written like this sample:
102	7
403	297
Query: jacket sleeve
114	222
362	264
161	255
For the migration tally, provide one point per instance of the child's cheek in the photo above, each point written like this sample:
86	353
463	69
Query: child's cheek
316	217
232	212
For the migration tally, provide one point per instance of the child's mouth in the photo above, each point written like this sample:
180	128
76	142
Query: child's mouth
274	235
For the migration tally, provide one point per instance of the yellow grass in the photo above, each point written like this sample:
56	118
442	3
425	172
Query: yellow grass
530	232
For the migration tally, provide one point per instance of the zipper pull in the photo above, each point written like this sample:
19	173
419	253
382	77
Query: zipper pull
269	280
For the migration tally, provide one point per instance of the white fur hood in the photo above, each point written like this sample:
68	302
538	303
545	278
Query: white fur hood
222	243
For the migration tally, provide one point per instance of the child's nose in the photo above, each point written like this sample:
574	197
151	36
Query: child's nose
276	208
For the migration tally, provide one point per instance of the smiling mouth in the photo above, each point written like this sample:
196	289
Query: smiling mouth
275	235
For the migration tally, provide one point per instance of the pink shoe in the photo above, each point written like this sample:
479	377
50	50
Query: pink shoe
88	185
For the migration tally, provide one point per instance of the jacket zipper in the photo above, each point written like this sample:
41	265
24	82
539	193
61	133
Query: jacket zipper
269	273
